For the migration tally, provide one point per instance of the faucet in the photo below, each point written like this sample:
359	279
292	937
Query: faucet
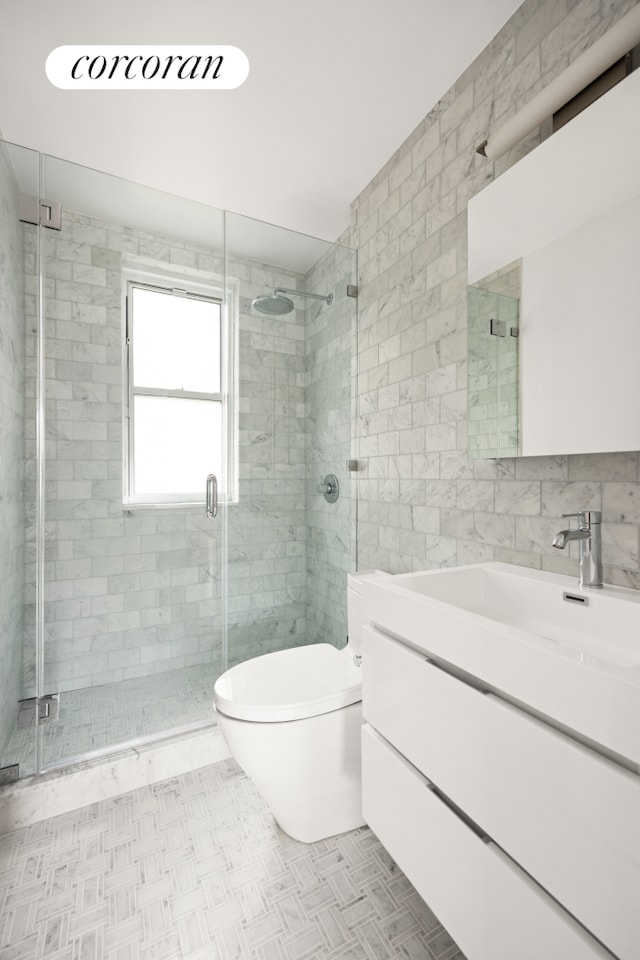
590	546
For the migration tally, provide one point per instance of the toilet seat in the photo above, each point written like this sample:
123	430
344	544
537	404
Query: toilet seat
289	684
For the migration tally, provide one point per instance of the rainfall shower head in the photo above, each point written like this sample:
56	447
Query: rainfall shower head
275	305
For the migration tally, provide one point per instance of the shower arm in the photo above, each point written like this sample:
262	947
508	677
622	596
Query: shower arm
328	299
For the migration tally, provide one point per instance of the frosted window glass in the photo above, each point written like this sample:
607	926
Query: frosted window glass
176	342
177	442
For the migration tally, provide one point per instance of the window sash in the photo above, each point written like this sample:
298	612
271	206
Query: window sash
187	394
170	446
184	498
172	355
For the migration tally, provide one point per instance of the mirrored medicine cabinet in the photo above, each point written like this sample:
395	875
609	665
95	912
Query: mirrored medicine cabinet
554	291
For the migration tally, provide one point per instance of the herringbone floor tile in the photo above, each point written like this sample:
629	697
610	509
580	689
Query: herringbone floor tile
196	869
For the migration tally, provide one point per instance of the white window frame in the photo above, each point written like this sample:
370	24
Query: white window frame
209	288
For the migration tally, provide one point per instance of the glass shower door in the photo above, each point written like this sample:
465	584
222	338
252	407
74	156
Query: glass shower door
289	546
131	567
19	302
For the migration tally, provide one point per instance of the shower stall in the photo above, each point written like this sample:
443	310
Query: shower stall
164	444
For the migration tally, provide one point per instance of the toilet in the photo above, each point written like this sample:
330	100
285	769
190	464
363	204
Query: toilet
292	720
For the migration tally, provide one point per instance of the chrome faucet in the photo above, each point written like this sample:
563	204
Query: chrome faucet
590	546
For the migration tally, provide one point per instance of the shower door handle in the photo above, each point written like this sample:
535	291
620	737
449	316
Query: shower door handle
211	496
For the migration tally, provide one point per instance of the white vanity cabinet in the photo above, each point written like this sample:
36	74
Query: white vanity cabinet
524	842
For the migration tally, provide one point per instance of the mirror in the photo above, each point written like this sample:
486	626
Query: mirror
557	233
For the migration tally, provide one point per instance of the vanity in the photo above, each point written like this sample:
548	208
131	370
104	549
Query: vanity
501	753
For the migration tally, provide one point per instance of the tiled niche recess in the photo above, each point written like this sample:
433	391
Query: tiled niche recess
422	503
132	594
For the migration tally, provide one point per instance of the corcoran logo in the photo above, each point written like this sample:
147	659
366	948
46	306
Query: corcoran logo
146	67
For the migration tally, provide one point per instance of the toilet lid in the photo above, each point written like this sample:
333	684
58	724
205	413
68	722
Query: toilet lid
289	684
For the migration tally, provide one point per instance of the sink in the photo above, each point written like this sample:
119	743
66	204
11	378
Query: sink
569	654
534	603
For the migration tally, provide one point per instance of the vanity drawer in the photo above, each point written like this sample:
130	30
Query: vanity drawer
566	814
488	905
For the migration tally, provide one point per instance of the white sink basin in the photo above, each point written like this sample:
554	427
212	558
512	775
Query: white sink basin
573	655
534	602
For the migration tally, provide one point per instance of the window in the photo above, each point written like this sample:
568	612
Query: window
174	405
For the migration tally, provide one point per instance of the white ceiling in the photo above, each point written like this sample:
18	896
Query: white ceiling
334	88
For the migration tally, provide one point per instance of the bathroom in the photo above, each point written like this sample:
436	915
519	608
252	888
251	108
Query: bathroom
417	503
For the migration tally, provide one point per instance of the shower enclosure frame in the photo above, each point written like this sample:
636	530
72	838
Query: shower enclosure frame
229	303
231	300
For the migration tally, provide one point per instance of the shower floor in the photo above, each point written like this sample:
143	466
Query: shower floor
97	717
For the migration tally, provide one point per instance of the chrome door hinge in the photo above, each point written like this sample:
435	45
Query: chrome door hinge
38	710
43	213
48	708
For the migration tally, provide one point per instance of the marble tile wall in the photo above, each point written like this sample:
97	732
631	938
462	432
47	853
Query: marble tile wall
422	502
266	529
12	368
130	594
328	352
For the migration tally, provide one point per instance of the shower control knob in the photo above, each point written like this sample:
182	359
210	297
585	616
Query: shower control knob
329	488
327	485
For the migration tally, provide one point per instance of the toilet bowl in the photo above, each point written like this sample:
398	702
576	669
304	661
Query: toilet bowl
292	721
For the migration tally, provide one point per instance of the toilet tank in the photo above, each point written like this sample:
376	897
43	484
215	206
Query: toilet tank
356	615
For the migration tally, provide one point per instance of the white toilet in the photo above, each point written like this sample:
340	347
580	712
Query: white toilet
292	721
